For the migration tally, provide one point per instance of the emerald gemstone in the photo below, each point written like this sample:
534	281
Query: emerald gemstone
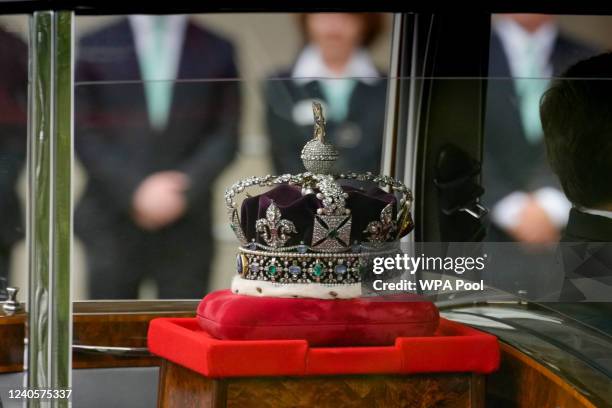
362	269
317	269
272	270
332	233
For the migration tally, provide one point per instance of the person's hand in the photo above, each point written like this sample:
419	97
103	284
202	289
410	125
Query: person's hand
535	226
160	200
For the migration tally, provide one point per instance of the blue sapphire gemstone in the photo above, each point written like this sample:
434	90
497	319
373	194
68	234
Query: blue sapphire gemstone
239	264
302	249
254	267
295	270
340	269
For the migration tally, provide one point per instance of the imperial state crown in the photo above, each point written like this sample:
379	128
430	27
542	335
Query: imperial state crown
311	234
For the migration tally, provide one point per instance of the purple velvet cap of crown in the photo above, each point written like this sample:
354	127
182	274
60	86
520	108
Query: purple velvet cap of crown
365	206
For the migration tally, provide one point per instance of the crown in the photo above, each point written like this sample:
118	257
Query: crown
312	234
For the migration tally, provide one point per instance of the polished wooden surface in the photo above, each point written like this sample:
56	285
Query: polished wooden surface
122	325
111	330
524	383
181	387
12	335
158	307
104	324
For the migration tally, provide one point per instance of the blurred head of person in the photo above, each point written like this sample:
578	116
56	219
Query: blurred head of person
530	22
576	115
338	35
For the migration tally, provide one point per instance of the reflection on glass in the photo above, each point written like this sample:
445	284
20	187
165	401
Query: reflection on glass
152	148
526	201
335	47
13	131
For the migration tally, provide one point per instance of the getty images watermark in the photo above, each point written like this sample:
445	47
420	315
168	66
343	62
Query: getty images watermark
409	264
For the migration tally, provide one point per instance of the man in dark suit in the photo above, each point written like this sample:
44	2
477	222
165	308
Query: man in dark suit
13	136
576	118
522	192
152	140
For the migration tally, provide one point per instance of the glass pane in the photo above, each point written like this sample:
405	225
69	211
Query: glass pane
519	184
13	142
170	111
13	189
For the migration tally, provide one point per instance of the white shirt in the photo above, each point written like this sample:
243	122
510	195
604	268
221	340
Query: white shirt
505	213
310	65
336	87
142	28
514	40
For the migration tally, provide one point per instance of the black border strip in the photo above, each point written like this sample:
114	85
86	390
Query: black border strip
97	7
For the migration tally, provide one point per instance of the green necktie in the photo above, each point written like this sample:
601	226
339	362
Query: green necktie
530	87
338	95
156	67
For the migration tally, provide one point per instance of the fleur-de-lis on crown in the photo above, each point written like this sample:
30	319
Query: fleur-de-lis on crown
381	231
273	229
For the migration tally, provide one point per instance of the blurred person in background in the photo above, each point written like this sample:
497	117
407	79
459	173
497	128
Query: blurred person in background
152	148
334	67
526	201
13	142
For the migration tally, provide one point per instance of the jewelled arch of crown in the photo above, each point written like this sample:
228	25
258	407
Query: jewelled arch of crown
331	258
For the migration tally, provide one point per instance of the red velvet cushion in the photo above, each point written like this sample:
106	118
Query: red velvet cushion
374	321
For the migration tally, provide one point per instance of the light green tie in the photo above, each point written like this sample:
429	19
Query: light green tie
530	87
337	92
156	70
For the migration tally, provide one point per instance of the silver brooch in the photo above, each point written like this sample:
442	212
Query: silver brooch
273	229
381	231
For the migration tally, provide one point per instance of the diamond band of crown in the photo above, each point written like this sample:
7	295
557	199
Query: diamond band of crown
306	267
269	253
300	268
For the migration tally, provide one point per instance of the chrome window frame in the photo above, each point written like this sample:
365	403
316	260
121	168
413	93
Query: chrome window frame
49	202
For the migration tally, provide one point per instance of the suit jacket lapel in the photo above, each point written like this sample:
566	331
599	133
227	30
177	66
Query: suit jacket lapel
564	54
190	67
588	227
126	66
558	57
567	52
498	61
